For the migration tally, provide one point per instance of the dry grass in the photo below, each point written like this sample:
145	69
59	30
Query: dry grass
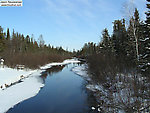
31	60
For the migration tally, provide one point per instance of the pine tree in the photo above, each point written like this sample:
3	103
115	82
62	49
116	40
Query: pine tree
119	37
106	38
105	43
8	34
145	57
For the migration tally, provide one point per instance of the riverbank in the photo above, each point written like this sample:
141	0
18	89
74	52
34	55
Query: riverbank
126	92
28	84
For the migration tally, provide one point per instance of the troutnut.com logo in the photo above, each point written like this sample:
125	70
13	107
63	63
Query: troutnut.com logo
11	3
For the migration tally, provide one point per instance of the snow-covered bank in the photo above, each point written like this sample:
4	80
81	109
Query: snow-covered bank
19	92
62	63
81	71
30	84
125	92
9	76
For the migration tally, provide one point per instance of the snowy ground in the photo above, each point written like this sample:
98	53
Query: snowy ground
121	93
81	71
63	63
23	84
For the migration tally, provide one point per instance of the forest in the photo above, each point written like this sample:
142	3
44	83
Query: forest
120	65
127	44
25	50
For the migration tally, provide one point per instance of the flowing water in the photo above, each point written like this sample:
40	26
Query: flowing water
64	92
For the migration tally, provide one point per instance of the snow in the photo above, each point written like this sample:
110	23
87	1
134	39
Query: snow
93	108
26	84
147	48
118	92
81	71
9	76
19	92
62	63
144	39
2	60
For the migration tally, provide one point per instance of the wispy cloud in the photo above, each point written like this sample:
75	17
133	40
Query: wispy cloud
84	10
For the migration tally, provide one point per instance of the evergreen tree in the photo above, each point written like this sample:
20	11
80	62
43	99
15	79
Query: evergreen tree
131	51
104	45
2	39
106	38
8	34
119	37
145	57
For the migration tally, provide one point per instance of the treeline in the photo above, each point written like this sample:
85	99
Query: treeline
130	43
119	66
25	50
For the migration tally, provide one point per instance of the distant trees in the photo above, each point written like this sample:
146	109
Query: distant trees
88	49
20	49
2	43
8	35
41	41
18	43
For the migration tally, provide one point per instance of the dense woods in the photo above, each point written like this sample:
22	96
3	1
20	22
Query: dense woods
25	50
120	65
131	42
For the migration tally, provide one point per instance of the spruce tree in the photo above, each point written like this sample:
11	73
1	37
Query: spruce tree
119	37
145	57
8	34
105	44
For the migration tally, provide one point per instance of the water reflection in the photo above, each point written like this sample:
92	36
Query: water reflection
52	70
64	92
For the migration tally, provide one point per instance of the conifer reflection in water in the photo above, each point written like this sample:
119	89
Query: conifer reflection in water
52	70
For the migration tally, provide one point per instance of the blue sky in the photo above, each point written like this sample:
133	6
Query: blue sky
66	23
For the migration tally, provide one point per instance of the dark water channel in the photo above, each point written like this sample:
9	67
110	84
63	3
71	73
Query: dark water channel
64	92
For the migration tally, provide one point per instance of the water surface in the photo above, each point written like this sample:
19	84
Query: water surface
64	92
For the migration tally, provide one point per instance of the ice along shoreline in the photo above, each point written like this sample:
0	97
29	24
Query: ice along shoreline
29	86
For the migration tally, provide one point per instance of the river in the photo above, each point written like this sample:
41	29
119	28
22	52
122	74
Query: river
64	92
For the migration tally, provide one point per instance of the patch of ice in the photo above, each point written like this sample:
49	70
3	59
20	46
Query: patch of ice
19	92
81	70
62	63
29	86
